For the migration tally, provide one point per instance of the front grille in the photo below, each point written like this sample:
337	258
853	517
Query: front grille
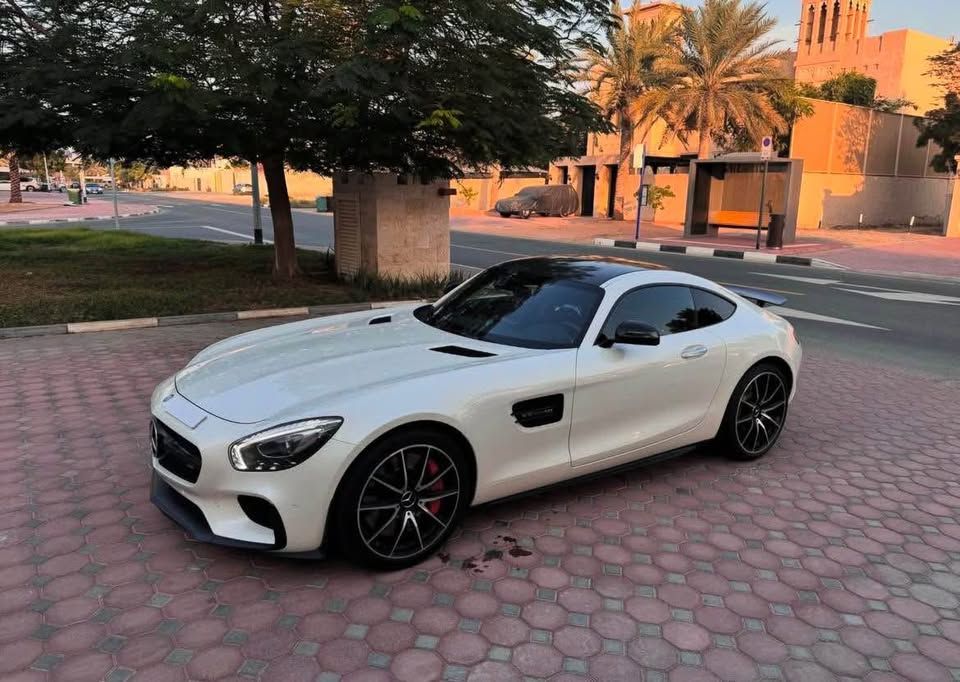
174	452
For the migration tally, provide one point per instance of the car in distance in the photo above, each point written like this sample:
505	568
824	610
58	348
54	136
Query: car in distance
243	188
375	431
558	200
93	188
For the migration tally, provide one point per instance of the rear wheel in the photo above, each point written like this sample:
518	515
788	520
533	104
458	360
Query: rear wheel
402	498
756	413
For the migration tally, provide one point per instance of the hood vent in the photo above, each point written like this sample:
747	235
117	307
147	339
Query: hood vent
380	320
465	352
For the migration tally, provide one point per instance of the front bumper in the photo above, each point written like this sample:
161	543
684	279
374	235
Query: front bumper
282	511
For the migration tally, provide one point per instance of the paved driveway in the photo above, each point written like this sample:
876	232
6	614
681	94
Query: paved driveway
838	556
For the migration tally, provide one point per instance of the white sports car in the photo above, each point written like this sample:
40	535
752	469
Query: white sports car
375	431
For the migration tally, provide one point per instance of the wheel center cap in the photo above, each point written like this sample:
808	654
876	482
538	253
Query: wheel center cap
407	499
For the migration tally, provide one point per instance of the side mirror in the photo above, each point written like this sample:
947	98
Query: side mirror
636	334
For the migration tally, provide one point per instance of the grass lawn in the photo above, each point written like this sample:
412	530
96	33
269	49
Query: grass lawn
71	275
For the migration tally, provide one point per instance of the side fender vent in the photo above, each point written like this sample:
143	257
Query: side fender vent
465	352
539	411
385	319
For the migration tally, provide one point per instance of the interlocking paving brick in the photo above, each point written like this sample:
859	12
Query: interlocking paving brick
835	556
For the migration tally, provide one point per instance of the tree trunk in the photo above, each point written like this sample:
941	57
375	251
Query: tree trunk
284	248
703	152
15	196
626	161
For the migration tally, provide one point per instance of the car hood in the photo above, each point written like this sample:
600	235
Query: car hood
290	370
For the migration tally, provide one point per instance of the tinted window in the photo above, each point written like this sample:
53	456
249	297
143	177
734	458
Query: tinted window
711	308
668	308
533	308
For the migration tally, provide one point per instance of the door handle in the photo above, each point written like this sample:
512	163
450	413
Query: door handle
691	352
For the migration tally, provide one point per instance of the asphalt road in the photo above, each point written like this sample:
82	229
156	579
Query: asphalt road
901	321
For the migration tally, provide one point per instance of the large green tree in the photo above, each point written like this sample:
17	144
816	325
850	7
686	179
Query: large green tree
857	89
427	86
724	71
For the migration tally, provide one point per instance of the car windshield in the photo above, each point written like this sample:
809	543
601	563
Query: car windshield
518	307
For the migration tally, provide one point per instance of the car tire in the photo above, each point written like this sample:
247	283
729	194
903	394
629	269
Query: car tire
28	188
525	214
401	498
504	215
756	413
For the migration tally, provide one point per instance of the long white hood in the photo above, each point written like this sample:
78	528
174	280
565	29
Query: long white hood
293	368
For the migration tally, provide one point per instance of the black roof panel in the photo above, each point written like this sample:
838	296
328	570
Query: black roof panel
594	270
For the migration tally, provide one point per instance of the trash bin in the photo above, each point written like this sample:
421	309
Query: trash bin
775	231
73	196
322	205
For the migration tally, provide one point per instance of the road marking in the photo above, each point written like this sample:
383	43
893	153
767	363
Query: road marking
477	248
747	286
235	234
907	296
165	206
468	267
226	210
816	317
795	278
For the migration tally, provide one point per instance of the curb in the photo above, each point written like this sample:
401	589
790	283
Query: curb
717	253
76	220
200	318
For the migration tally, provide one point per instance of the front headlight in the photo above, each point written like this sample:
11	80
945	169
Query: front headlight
283	446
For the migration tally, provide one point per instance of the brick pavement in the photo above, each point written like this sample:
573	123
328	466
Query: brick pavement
838	556
53	207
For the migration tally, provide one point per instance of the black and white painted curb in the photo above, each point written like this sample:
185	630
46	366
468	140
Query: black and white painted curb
752	256
50	221
169	321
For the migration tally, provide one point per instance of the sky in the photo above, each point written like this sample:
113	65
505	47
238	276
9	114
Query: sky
938	17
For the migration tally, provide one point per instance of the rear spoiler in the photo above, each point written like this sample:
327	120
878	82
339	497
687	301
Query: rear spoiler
758	296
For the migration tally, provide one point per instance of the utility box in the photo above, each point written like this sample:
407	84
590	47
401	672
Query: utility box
391	225
322	205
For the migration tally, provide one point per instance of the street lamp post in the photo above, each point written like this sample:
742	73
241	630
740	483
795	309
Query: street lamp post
255	183
116	209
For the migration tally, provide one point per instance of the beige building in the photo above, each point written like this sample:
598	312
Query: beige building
834	38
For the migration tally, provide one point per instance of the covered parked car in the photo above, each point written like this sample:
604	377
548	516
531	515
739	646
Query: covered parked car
544	200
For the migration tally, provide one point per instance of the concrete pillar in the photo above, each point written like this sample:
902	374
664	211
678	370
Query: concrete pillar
391	225
627	185
576	181
600	192
951	222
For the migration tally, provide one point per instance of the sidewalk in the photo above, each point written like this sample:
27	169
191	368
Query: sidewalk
43	207
863	250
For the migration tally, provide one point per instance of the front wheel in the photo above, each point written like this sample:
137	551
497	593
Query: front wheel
756	413
504	215
402	498
526	213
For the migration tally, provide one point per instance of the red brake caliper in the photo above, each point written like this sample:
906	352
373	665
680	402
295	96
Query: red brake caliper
433	469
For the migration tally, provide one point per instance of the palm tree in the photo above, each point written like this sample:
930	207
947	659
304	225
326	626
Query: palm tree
15	196
723	73
627	67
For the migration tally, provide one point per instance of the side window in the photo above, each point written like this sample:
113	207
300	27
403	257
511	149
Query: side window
711	308
668	308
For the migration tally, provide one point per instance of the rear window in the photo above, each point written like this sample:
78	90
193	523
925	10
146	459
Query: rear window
711	308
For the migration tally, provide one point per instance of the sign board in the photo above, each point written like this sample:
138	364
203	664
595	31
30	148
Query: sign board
766	148
638	156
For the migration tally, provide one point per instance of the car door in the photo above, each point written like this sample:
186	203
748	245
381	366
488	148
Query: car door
631	397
